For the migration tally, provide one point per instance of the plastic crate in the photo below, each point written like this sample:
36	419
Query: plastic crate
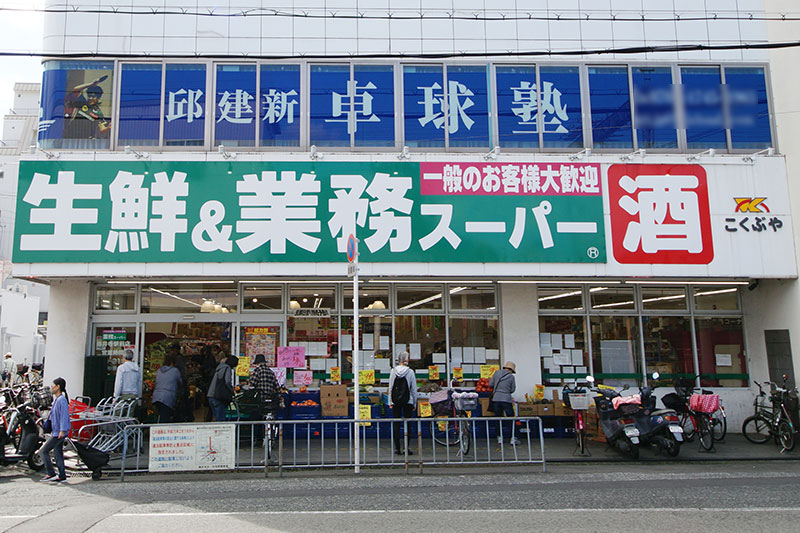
305	412
303	396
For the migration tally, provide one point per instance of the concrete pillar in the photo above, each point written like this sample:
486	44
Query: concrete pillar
520	334
67	326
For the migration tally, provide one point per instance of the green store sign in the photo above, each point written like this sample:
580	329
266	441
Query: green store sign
105	212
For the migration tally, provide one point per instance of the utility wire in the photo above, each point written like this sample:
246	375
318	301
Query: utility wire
392	15
434	55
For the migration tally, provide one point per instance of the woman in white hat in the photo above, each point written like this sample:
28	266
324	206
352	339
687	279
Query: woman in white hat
503	385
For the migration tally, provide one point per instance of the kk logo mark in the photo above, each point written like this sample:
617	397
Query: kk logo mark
750	205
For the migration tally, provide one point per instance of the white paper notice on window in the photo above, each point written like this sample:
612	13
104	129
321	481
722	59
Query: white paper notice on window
317	364
382	365
469	355
480	355
400	348
368	341
384	342
562	358
415	351
439	358
347	343
577	357
569	340
556	341
724	359
456	353
544	338
492	355
546	350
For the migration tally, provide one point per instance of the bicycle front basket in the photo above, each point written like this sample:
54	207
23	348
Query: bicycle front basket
444	408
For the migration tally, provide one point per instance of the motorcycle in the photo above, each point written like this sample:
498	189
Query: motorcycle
618	425
658	427
30	440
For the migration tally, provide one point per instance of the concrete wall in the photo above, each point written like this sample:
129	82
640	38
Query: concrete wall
20	313
66	332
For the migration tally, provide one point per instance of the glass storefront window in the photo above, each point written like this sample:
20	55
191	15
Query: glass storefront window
668	348
421	336
612	298
312	297
329	124
262	298
190	298
616	354
664	298
609	97
185	105
560	109
471	126
139	104
113	298
702	108
416	298
236	106
517	107
279	106
370	297
374	343
748	108
566	351
472	298
374	124
567	297
319	337
709	298
473	342
720	352
654	107
423	124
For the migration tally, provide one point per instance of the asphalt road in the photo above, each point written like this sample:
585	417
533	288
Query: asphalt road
597	497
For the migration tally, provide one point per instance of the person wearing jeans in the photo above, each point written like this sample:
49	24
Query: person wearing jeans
402	407
59	418
220	392
503	384
168	384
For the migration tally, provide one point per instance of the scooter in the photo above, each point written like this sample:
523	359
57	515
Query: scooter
30	440
658	427
618	425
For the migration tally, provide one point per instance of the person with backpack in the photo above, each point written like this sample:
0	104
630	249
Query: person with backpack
402	396
221	388
503	384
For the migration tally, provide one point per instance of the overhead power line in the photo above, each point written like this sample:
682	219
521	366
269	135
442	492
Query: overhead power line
434	55
566	15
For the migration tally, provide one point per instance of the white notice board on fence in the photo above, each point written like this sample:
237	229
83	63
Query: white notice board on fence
192	447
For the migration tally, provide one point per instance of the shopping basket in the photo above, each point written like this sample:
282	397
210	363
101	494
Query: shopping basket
465	401
441	403
577	400
704	403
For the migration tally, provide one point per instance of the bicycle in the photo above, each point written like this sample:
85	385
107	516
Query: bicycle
770	422
693	421
459	406
578	400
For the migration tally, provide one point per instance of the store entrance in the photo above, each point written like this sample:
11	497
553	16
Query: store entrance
201	345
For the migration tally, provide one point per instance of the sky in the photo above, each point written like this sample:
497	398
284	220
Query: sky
19	32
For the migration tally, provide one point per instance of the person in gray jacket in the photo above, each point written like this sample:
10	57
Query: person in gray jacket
402	397
220	392
503	384
168	383
126	384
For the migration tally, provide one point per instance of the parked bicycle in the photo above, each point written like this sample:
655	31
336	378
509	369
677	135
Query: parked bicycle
578	400
696	412
459	406
773	421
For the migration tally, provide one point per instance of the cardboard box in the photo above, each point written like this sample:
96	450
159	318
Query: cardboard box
527	409
333	399
484	403
544	409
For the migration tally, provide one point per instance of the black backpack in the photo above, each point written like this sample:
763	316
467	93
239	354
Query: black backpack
400	391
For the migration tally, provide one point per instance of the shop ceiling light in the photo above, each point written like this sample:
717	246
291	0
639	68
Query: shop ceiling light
167	282
687	282
559	281
709	293
428	281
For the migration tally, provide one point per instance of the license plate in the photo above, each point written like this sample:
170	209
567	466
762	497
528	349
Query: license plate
676	429
635	440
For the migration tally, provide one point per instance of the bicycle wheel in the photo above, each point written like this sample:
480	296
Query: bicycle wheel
785	435
463	437
756	429
687	423
704	433
720	424
580	440
445	433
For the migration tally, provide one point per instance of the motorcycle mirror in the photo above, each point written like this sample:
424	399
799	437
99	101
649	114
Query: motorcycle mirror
590	379
626	387
656	375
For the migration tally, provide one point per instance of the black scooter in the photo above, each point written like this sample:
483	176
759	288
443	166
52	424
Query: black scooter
658	427
618	425
30	440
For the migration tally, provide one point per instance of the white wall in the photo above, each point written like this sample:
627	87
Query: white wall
66	332
18	319
520	334
541	25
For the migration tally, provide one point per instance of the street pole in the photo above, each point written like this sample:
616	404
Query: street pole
356	392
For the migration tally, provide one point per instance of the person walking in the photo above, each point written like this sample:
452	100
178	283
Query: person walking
503	384
168	385
221	389
402	396
9	370
59	419
126	384
266	384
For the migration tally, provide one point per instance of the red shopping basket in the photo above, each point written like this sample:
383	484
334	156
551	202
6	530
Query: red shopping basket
704	403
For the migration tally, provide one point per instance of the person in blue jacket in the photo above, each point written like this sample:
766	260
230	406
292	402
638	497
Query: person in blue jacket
59	418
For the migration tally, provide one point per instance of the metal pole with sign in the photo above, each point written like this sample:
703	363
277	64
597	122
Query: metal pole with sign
352	271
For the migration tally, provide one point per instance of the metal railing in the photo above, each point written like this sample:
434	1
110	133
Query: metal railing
329	443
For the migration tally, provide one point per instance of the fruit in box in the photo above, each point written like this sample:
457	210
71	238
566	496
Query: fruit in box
483	385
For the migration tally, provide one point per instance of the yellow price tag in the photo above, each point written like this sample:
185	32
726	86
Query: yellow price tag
488	371
366	377
442	426
458	373
365	413
605	387
538	392
433	372
243	368
425	410
336	374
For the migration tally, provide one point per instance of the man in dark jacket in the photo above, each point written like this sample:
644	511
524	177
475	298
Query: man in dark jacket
265	383
220	392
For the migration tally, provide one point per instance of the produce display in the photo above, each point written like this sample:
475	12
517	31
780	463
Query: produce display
483	385
306	403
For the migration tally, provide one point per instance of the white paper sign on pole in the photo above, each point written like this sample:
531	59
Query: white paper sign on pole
184	447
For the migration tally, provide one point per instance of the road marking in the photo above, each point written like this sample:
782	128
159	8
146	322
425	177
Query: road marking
406	511
17	516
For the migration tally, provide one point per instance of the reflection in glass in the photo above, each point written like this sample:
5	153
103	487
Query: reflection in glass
616	354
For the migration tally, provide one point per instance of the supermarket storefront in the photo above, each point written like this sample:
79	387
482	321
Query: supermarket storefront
565	267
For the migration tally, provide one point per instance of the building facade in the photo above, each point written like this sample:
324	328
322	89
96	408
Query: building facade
581	188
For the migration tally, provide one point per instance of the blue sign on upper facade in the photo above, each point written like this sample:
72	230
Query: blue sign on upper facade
436	106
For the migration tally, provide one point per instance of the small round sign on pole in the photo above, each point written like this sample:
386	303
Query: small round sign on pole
351	248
